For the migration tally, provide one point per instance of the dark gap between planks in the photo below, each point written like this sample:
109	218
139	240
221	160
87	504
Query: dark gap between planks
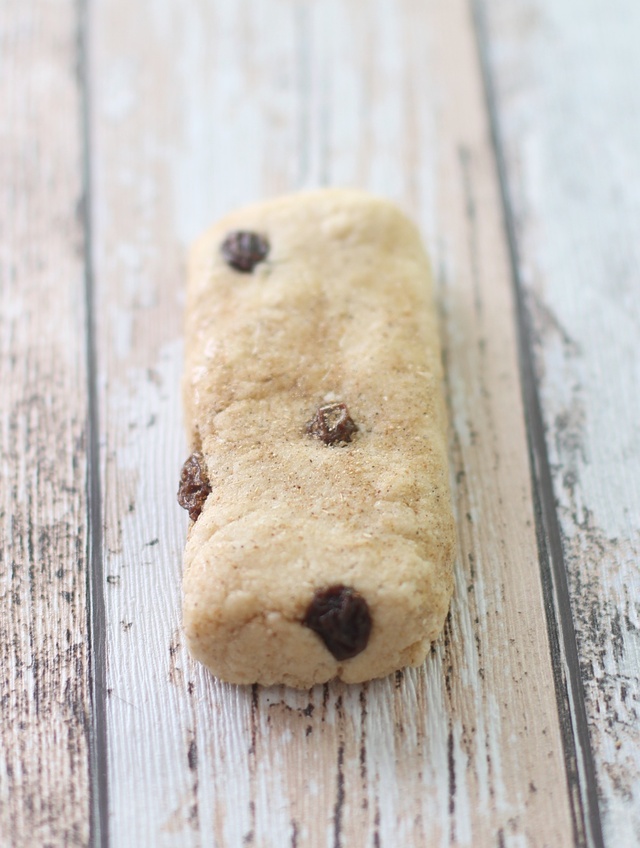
96	618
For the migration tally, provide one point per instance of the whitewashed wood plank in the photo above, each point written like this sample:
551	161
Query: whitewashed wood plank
44	682
566	81
202	108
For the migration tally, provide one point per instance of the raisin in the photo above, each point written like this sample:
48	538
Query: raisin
243	250
340	616
332	424
194	486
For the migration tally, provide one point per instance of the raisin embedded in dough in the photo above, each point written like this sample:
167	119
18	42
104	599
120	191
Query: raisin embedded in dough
194	485
340	616
332	424
243	250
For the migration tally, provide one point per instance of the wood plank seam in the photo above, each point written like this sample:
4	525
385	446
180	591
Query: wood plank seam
579	760
96	620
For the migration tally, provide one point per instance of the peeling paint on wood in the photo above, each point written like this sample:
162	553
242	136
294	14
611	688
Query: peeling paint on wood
44	661
568	105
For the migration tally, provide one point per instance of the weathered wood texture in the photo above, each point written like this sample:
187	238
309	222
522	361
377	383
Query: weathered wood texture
567	98
44	689
199	107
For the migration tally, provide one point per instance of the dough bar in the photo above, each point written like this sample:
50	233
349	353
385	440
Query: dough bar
324	537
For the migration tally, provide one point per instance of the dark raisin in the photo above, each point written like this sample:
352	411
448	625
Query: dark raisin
332	424
194	486
340	616
243	250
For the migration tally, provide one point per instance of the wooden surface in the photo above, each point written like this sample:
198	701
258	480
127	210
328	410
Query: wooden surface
44	646
566	89
509	130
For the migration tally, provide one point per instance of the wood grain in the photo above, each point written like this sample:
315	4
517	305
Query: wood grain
197	109
44	685
565	82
